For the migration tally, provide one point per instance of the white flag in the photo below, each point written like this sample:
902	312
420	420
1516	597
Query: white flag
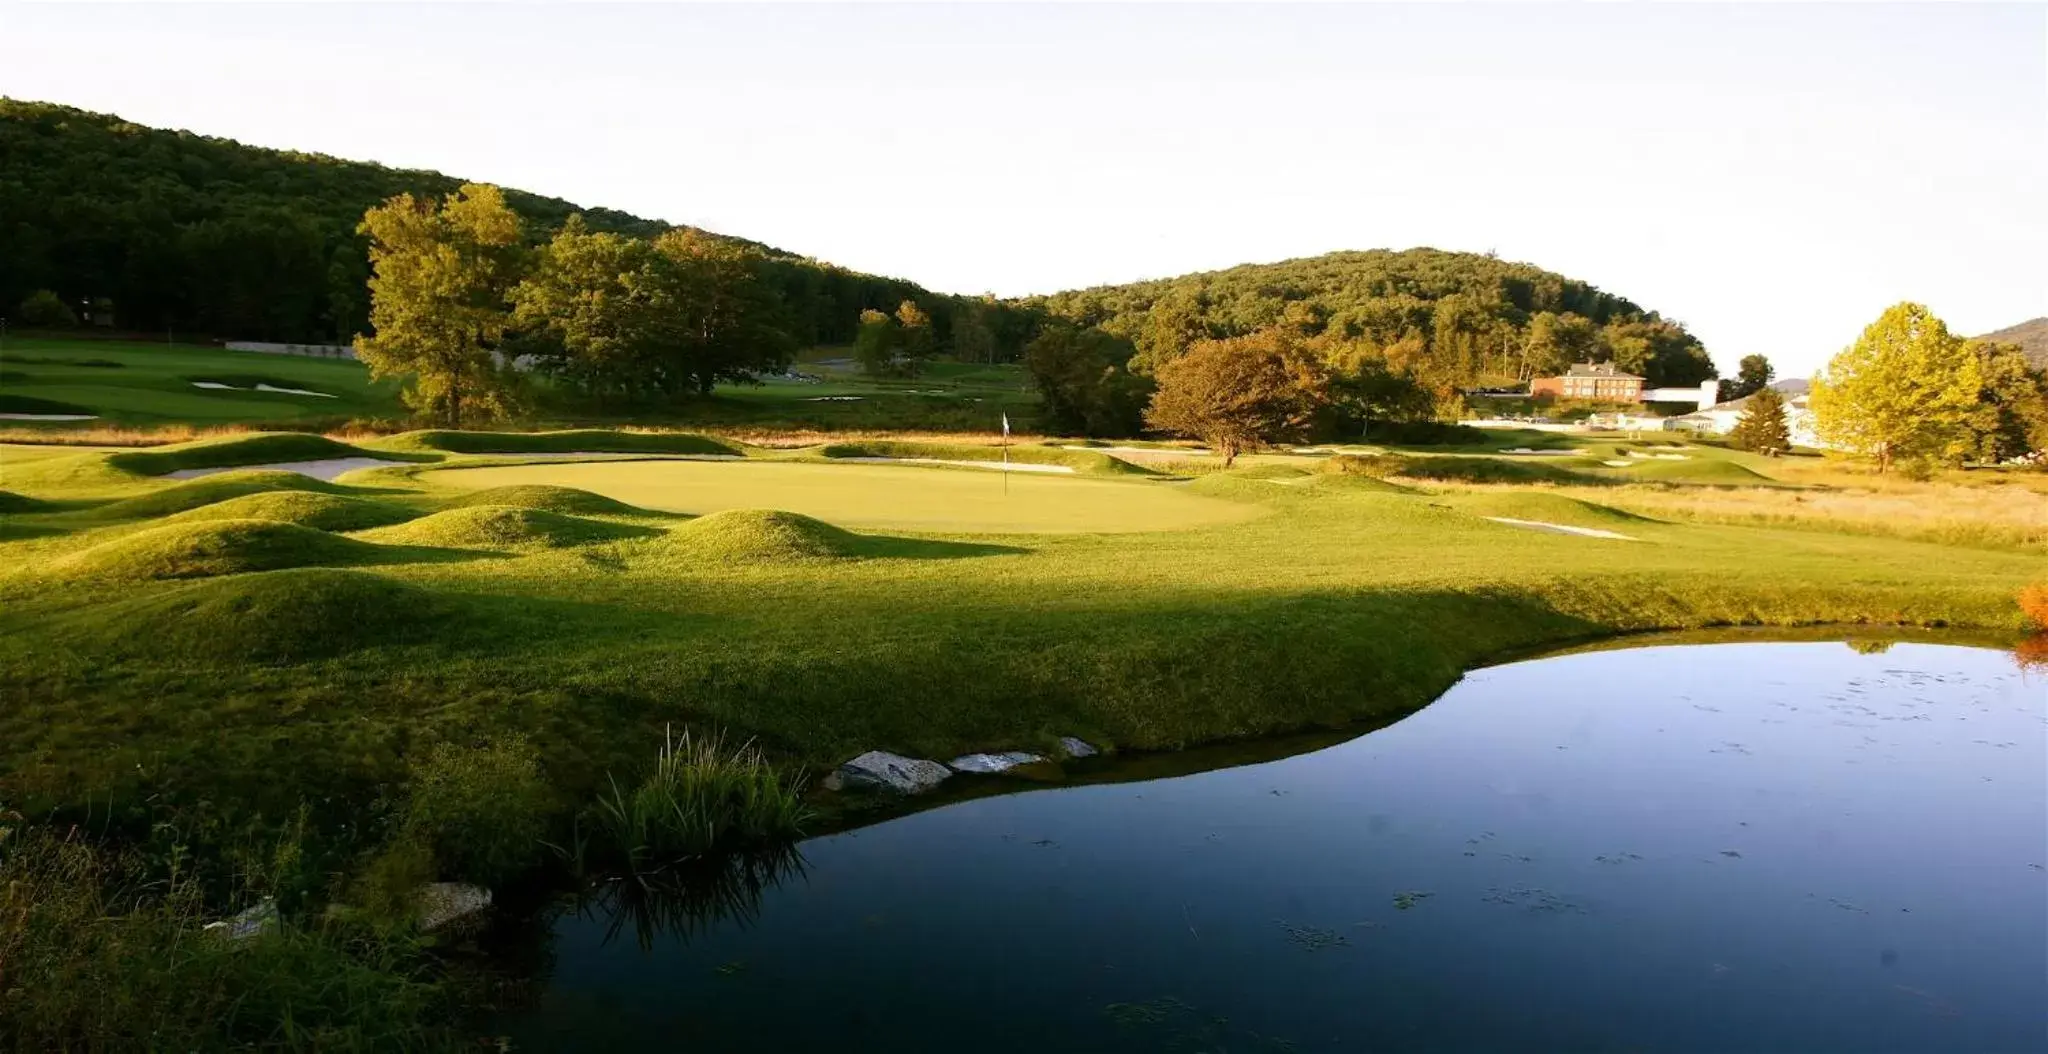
1006	426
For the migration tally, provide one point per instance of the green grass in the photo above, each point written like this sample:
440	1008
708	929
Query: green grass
322	512
914	609
502	527
1082	462
888	497
212	547
149	383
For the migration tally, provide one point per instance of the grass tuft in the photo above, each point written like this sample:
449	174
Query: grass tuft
701	797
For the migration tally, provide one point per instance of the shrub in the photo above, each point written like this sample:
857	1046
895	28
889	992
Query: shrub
699	798
46	310
483	811
2034	603
1377	466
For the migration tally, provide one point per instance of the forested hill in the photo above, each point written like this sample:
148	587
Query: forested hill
209	236
1460	317
2031	336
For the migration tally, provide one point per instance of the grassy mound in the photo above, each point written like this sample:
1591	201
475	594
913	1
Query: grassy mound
762	535
207	490
216	547
1542	508
255	448
11	502
502	527
282	617
69	475
573	441
1452	469
322	512
1699	470
549	498
1083	462
27	404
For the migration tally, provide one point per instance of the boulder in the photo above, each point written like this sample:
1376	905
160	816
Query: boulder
1076	748
442	903
985	763
894	772
250	923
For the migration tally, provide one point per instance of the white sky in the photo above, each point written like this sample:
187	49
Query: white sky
1772	177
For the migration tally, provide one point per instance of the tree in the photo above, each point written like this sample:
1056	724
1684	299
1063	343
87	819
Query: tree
47	310
1084	381
1554	342
1762	426
1751	376
2011	419
876	343
733	324
1906	389
441	277
973	340
1241	393
1365	386
918	342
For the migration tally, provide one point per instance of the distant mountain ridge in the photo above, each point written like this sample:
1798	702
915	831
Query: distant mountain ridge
2031	336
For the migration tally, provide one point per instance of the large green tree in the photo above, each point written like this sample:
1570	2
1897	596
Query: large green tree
1241	393
1084	381
1751	376
1907	389
442	275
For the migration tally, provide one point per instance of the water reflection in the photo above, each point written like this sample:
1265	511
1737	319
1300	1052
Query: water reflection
685	899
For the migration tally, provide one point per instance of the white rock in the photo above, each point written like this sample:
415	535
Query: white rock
1076	748
444	902
985	763
879	768
256	920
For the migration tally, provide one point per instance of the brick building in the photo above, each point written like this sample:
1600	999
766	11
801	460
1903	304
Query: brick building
1591	380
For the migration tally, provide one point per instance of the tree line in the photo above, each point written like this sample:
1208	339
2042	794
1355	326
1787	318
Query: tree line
167	230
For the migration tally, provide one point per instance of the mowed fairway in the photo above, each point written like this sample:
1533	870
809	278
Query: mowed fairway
960	501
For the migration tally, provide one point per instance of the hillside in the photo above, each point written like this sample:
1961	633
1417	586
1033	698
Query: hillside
2031	336
1465	317
210	236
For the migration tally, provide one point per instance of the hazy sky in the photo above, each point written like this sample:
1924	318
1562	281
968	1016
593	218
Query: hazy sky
1772	177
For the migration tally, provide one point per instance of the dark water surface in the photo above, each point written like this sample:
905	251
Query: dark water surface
1710	848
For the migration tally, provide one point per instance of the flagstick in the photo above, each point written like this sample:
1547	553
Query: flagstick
1006	455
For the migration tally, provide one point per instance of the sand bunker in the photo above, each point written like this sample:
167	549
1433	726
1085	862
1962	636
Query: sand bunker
49	417
1562	528
324	468
218	386
1528	451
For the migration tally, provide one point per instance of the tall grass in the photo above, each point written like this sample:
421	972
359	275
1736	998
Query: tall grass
699	798
1946	513
94	956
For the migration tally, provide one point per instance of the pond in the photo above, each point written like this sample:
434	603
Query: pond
1793	846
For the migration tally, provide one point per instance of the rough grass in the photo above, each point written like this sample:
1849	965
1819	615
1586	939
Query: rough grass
215	547
700	796
320	511
573	441
502	527
208	490
549	498
761	536
1942	513
1716	471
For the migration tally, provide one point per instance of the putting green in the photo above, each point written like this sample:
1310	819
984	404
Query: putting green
885	496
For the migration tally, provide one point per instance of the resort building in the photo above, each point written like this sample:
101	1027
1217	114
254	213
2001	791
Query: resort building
1591	380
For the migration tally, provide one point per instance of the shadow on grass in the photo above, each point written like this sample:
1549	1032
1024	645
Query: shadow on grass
890	547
